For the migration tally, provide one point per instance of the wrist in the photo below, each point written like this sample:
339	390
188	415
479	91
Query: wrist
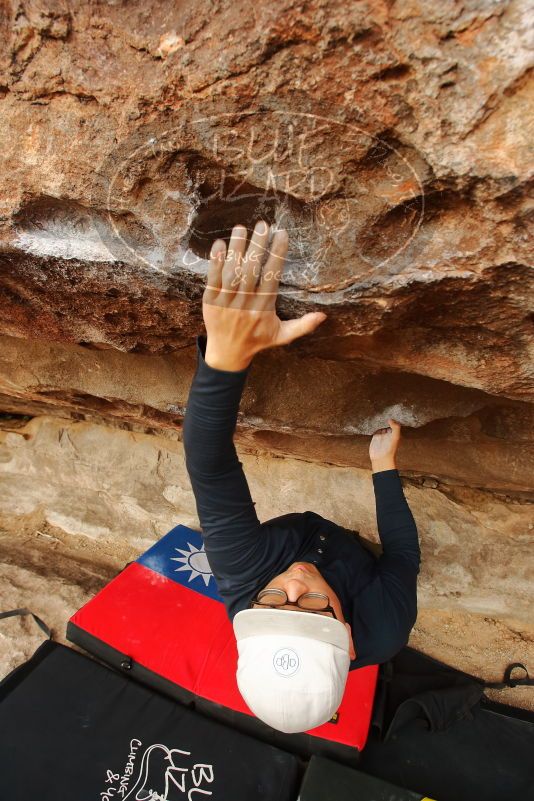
226	362
384	463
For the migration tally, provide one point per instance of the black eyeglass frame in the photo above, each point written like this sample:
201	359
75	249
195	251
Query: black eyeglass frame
327	608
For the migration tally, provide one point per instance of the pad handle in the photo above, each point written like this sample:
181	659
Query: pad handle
42	625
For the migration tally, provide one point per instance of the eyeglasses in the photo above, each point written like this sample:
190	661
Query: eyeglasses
315	602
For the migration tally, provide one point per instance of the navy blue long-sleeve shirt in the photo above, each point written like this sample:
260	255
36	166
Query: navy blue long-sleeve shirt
378	595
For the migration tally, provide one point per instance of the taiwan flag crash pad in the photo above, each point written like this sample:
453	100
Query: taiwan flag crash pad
162	621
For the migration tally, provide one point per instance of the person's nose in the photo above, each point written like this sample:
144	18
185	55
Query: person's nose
295	588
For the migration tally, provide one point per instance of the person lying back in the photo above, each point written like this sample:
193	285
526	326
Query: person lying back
308	600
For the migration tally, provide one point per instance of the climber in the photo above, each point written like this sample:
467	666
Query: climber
308	599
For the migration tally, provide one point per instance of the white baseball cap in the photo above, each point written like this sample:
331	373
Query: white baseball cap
292	666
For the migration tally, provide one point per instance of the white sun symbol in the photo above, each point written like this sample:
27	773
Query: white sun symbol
196	561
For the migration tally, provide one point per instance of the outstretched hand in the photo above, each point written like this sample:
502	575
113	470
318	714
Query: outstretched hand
238	305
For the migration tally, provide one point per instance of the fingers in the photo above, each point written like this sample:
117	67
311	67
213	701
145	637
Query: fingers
252	264
394	428
233	267
241	274
271	273
214	277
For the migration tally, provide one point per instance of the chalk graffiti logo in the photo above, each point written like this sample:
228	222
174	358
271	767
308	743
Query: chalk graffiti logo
171	189
286	662
159	773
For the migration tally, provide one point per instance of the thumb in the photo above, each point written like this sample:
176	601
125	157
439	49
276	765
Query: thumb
292	329
395	428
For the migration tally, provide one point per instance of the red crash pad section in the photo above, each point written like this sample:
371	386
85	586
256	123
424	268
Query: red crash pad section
161	617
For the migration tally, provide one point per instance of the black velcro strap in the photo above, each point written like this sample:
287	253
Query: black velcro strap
508	681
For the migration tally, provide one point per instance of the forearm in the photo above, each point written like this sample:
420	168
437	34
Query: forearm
225	508
396	525
211	416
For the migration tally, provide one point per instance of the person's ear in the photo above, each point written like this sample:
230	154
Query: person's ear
352	652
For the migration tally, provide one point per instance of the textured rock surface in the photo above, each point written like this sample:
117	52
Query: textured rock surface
317	409
394	141
79	500
94	480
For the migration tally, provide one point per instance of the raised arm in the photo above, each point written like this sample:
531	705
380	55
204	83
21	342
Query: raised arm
396	525
389	602
224	505
240	318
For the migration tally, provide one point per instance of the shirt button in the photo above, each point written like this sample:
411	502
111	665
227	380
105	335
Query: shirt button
319	550
322	537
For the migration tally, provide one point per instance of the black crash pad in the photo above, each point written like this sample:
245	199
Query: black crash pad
328	781
438	734
72	729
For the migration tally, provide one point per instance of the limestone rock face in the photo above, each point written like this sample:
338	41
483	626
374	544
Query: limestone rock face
392	140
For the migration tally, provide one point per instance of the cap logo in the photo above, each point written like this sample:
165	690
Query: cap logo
286	662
